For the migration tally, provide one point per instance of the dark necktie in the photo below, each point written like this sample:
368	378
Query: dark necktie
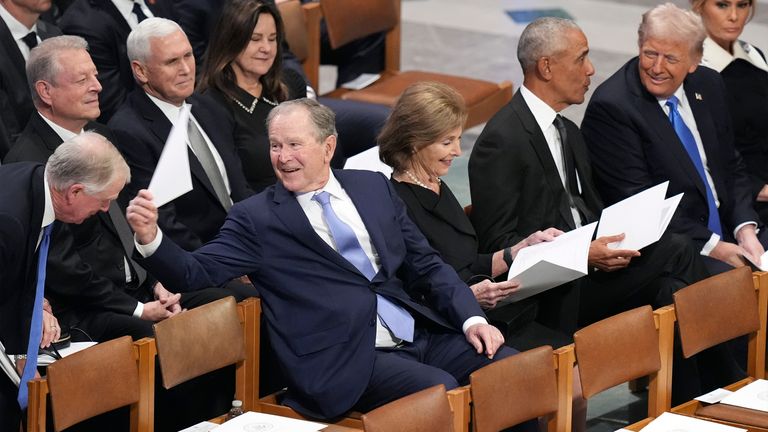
30	39
138	12
689	142
575	201
397	319
206	159
36	326
126	239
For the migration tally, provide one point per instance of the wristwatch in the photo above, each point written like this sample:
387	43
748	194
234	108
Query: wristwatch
507	255
18	357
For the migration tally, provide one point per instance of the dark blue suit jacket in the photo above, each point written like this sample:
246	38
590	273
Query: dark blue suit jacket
320	310
633	146
140	129
22	201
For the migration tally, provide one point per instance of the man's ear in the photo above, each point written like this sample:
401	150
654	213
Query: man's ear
139	72
543	68
43	89
73	192
329	147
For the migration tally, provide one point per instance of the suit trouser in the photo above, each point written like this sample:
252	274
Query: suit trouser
10	414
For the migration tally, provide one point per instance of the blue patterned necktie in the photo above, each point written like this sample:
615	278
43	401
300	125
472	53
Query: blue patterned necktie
397	319
36	327
686	137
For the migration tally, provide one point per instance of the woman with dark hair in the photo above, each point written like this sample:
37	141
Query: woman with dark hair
243	72
745	74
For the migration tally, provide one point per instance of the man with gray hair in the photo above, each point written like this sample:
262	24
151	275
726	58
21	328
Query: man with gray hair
659	118
164	68
359	308
62	81
83	177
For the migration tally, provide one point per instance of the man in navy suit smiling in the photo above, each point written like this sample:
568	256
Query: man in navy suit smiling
359	308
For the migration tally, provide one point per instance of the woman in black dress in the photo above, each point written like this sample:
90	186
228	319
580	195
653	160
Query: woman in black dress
745	74
243	72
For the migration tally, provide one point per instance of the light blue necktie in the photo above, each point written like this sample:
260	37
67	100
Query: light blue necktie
689	143
397	319
36	327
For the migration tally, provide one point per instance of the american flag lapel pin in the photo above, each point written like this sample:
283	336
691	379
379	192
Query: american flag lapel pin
698	96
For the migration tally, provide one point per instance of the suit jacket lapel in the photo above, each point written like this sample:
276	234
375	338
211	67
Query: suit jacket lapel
293	217
12	49
540	146
360	195
659	123
110	8
707	132
50	139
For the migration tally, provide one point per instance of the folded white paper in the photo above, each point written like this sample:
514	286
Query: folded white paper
714	396
550	264
172	177
753	396
201	427
369	160
642	218
9	366
253	421
668	422
762	264
362	81
44	359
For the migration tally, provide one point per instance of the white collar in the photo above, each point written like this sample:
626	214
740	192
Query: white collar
333	187
125	7
543	113
64	134
682	100
18	30
49	215
717	58
170	110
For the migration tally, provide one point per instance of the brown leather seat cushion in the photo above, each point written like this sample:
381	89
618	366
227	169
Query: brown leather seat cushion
387	90
734	414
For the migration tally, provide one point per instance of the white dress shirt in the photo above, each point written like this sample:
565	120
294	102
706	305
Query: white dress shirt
684	108
545	117
18	31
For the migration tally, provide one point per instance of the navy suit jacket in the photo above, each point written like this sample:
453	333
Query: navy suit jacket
320	310
22	199
140	130
634	146
15	100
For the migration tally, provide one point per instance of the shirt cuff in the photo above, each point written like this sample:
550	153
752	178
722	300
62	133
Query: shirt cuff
139	310
149	248
472	321
741	225
709	245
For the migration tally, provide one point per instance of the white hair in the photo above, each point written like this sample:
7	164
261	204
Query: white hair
138	43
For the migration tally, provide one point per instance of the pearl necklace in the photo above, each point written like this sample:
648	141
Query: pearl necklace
250	109
417	181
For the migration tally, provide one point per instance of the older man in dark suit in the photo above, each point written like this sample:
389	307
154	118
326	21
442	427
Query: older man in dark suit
82	177
659	118
20	31
360	310
164	67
